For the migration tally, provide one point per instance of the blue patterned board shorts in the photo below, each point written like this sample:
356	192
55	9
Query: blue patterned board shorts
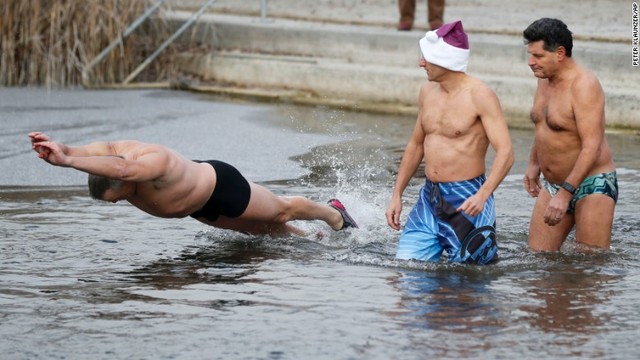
434	225
605	183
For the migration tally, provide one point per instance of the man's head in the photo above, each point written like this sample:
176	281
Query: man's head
98	186
549	44
553	32
447	47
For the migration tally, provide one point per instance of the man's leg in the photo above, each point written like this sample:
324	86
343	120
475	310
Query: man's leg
419	245
435	13
269	208
594	220
407	12
254	227
544	237
419	239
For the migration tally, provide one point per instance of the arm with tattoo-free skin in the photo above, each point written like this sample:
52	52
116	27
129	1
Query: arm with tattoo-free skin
532	175
588	109
105	158
497	131
93	149
411	159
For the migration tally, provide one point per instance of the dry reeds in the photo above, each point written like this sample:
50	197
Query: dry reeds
49	42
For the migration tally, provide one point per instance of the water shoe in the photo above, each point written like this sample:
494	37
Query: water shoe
347	221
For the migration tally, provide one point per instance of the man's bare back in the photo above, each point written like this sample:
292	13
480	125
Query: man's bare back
160	185
173	194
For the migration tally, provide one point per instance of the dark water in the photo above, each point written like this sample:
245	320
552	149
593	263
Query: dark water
81	279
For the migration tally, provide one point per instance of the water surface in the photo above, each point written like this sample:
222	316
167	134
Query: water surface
83	279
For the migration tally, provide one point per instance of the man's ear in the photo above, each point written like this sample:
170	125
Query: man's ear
561	53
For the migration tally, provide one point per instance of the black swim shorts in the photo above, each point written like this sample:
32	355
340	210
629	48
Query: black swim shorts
230	196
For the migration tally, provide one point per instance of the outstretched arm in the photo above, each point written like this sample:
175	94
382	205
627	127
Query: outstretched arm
143	162
92	149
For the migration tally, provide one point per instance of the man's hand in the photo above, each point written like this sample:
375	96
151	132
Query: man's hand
473	206
48	151
393	213
557	208
38	137
532	180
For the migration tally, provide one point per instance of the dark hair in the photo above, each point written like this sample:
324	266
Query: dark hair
99	184
553	32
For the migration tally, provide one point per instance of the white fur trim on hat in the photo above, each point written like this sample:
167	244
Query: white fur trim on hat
436	51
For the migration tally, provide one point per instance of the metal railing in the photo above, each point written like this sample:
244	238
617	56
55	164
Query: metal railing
263	11
168	42
87	69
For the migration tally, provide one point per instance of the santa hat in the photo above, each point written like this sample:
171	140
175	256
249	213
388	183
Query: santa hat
447	46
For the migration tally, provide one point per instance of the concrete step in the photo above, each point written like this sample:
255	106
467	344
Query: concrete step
363	66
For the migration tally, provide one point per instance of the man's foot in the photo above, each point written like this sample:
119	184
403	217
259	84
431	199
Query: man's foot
434	25
347	221
404	26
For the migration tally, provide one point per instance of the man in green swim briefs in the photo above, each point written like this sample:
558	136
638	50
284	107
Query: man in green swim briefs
580	186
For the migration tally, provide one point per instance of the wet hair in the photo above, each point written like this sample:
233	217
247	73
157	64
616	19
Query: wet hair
98	185
553	32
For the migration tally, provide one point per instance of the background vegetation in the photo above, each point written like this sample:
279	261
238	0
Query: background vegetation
49	42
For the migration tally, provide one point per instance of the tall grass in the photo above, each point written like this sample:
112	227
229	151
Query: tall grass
49	42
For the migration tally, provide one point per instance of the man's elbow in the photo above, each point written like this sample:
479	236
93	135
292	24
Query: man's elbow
509	157
125	172
592	148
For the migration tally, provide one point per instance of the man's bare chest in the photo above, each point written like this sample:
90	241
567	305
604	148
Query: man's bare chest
450	123
553	110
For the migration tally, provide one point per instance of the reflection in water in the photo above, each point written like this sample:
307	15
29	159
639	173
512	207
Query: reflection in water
450	299
568	298
450	311
227	258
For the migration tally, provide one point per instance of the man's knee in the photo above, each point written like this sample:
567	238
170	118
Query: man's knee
537	244
288	206
543	237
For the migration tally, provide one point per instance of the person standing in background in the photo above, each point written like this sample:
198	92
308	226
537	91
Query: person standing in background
435	13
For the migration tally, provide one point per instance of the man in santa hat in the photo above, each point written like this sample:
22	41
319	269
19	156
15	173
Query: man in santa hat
459	116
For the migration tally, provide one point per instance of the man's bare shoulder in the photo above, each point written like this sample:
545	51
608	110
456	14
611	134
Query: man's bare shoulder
480	88
483	96
585	79
134	149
